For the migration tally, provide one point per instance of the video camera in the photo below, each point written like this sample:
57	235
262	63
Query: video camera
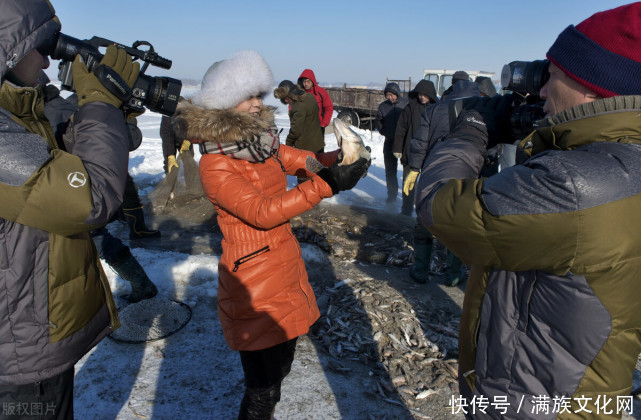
159	94
525	80
522	82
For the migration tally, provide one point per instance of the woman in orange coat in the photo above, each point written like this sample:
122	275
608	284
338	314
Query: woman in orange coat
265	300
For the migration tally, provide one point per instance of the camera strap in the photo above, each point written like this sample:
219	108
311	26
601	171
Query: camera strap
113	82
454	110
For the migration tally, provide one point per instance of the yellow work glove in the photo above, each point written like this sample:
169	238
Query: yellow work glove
90	89
171	163
410	181
186	144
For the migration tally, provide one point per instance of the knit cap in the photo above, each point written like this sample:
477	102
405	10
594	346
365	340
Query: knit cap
602	53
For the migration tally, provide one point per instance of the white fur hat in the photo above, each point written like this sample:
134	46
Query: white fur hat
229	82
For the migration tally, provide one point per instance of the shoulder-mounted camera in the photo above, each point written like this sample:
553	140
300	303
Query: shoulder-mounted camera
159	94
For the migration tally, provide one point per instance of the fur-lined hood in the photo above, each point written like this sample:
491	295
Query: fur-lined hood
198	124
287	89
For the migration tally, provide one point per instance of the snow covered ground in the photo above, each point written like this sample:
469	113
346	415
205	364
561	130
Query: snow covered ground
195	367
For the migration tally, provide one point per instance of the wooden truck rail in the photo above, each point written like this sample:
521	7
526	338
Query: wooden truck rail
358	106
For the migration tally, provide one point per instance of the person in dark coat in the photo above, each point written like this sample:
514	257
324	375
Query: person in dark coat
420	98
486	86
386	119
172	145
304	129
458	76
435	125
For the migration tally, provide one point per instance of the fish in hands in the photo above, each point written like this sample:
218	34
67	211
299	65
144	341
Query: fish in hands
351	144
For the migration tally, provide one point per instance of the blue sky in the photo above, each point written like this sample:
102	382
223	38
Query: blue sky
353	42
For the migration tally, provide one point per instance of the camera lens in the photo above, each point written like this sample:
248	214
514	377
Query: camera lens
525	76
524	117
159	94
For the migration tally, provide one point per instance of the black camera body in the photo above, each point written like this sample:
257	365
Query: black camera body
159	94
522	82
525	80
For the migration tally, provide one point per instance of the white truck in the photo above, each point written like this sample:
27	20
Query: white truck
358	106
442	79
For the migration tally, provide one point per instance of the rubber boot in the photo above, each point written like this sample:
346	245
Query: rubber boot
129	269
259	403
136	220
419	272
453	271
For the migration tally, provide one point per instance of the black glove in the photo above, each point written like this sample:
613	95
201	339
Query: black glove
345	177
486	120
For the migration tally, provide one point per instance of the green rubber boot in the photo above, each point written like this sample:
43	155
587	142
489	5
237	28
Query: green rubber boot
453	271
130	269
135	218
419	272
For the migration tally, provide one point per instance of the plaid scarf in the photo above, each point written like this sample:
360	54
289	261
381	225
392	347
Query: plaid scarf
256	149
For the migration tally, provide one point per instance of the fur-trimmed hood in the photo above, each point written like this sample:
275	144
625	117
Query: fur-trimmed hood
287	89
198	124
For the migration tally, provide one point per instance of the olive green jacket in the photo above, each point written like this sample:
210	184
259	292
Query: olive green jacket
305	129
56	303
552	303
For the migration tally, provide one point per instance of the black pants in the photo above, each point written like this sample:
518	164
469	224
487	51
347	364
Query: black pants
391	170
49	399
264	372
408	200
131	198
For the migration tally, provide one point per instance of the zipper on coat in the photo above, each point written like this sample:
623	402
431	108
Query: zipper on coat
248	257
279	162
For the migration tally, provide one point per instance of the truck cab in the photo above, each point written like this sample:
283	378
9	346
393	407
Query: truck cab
442	79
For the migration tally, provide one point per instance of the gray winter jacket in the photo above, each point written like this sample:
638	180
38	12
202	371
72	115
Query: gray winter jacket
56	303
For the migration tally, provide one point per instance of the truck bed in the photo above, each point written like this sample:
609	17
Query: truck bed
358	99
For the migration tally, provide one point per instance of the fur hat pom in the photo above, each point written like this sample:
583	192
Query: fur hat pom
229	82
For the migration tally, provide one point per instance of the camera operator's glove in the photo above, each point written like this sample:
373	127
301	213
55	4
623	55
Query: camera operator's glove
171	163
90	89
410	181
486	121
344	177
186	144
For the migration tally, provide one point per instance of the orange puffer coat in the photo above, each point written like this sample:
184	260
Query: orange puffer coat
264	296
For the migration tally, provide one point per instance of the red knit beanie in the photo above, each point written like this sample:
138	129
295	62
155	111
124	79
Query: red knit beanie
603	53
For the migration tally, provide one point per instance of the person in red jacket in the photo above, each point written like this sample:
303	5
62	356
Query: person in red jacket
265	300
307	80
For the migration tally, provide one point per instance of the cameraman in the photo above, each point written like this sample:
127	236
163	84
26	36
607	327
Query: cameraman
551	305
56	302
